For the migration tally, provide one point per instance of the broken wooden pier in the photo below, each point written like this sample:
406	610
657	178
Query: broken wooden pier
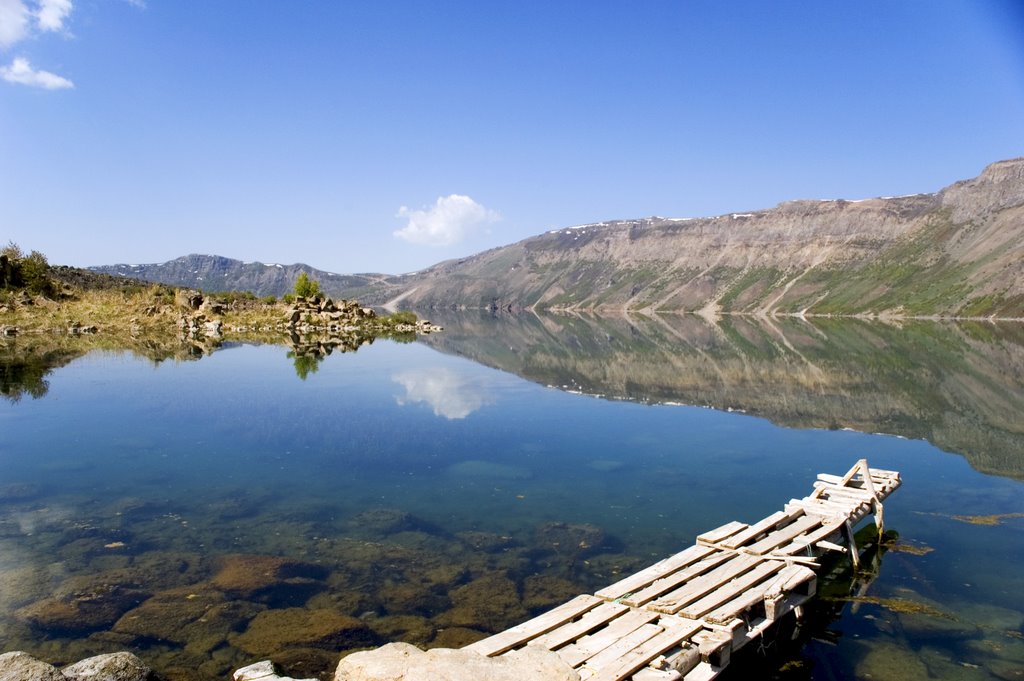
683	617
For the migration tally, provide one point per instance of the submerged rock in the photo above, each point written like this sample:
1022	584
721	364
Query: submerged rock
382	521
267	578
456	637
541	592
201	619
404	662
489	603
81	606
273	631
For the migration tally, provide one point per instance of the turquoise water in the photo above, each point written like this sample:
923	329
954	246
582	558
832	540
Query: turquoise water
398	486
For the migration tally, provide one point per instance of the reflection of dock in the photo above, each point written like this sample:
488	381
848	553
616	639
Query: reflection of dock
684	616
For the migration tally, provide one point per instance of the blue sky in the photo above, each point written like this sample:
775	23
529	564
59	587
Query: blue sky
387	136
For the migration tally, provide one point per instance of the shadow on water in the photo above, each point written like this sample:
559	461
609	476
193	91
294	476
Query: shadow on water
957	386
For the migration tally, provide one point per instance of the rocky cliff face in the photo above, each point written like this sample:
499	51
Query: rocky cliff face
958	252
217	273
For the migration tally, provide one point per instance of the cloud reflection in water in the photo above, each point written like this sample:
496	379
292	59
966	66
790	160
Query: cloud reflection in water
451	395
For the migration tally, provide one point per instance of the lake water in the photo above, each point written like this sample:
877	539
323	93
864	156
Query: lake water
207	514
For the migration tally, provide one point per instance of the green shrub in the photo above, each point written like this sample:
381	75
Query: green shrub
306	287
31	271
403	317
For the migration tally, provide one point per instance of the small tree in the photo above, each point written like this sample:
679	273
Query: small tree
306	287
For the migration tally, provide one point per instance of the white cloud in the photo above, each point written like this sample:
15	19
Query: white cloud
18	21
450	220
21	72
14	16
452	396
52	13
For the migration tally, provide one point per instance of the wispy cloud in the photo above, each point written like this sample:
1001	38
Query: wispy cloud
21	72
14	22
450	220
20	20
52	13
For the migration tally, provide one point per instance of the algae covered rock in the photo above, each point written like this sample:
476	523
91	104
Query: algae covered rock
201	619
489	603
81	606
270	579
272	631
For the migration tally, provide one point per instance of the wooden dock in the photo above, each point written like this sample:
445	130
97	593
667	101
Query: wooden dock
683	617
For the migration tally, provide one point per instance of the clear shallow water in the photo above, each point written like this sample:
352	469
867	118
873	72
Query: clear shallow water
428	498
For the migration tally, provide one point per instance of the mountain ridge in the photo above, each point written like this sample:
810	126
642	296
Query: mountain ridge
957	252
220	273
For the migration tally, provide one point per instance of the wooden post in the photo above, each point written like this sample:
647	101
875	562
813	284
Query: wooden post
878	519
854	553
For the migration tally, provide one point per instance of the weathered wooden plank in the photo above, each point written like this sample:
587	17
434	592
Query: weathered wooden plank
521	633
876	476
845	492
719	533
703	672
649	574
592	670
817	509
672	581
651	674
757	529
785	535
801	542
577	653
836	503
684	659
675	631
571	631
734	588
785	581
674	601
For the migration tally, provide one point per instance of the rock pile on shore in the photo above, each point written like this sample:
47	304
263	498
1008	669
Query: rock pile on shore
19	666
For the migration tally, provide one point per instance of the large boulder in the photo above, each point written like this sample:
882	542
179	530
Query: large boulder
110	667
19	666
404	662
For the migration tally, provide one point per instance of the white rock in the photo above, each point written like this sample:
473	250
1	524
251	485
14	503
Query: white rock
404	662
110	667
262	671
19	666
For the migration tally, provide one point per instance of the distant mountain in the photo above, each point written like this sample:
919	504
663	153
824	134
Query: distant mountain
217	273
957	252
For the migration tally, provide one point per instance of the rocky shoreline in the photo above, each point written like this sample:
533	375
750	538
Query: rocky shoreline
122	666
392	662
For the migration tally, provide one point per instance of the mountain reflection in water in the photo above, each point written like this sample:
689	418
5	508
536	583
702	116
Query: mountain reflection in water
956	385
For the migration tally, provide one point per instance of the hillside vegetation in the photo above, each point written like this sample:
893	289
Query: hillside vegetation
36	298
